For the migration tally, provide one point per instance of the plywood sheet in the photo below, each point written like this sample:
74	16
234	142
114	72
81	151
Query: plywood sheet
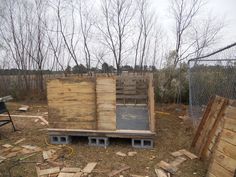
72	103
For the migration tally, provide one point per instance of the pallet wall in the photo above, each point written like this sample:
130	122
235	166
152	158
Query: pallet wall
223	161
132	89
215	139
71	103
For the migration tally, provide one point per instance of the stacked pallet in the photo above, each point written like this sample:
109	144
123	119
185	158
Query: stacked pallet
132	89
106	103
215	139
72	103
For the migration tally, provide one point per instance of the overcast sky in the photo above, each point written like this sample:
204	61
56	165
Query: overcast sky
222	9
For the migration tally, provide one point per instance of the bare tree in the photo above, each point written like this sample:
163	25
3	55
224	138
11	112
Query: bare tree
117	16
70	40
86	25
184	13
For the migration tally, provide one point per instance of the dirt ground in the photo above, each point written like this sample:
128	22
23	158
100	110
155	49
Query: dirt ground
172	134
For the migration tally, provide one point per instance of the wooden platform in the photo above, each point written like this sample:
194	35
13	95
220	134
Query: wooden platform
102	133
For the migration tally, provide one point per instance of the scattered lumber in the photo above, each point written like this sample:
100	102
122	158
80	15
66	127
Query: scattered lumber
47	171
30	147
70	170
23	108
167	167
176	153
116	172
48	154
132	153
121	154
178	161
184	152
161	173
19	141
7	146
89	167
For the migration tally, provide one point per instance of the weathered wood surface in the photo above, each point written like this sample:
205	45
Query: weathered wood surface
129	87
106	103
89	103
223	161
72	103
210	127
151	105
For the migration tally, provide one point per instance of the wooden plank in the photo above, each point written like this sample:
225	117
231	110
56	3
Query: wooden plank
166	166
230	124
216	109
70	169
204	119
226	162
48	154
49	171
160	173
63	174
227	149
106	103
19	141
178	161
151	105
188	154
89	167
212	131
219	171
229	136
7	146
176	153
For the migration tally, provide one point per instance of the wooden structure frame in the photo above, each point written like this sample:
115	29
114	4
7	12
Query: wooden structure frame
86	105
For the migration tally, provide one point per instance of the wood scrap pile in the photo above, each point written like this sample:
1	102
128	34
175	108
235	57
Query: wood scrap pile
10	151
215	139
166	169
65	171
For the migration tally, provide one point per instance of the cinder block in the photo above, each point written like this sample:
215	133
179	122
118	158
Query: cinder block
142	143
98	141
55	139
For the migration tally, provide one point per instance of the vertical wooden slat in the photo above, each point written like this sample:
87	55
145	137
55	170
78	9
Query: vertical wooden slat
151	104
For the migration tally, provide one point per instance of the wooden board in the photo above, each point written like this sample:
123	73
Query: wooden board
209	125
151	105
106	103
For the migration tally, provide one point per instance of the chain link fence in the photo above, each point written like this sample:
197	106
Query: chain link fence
209	77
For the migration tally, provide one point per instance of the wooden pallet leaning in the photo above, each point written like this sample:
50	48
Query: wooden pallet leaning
223	162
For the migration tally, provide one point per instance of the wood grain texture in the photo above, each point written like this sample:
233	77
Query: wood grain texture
223	161
106	103
71	103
